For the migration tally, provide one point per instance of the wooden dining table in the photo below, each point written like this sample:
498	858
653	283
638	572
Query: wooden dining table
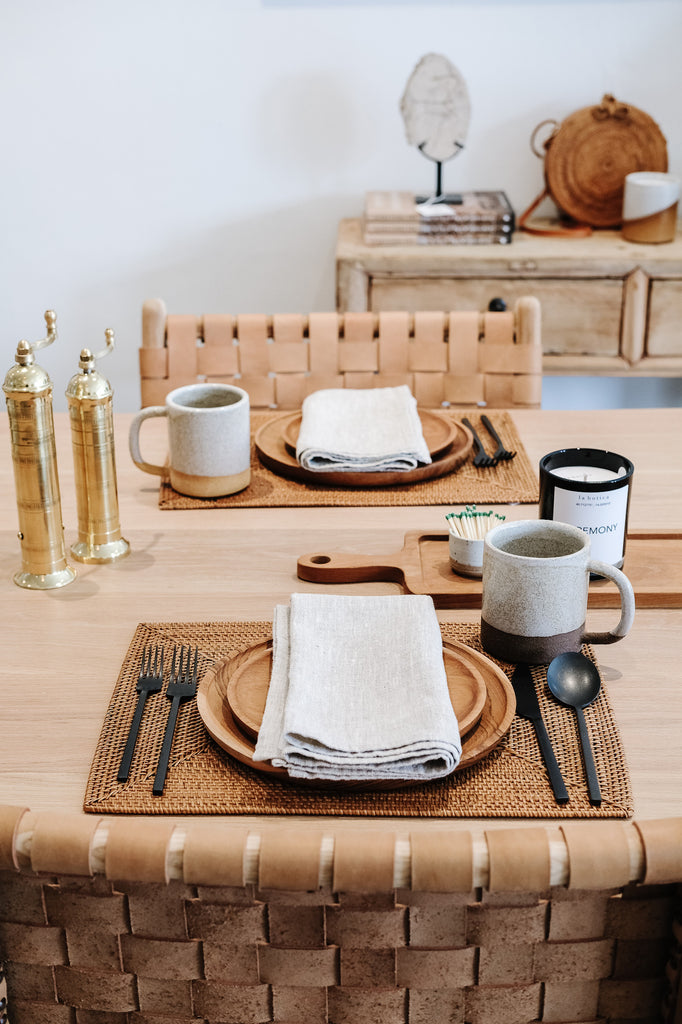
64	648
306	918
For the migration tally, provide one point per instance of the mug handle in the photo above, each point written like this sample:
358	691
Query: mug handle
134	439
627	604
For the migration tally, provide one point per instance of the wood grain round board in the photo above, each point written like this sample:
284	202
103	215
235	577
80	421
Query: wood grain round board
276	453
231	698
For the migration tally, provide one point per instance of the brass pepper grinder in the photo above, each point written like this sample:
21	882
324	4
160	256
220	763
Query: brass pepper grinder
28	390
89	397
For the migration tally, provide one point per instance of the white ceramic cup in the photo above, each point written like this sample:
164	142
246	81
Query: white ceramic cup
535	586
466	556
208	439
650	206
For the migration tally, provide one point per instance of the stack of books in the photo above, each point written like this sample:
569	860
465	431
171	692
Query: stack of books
401	218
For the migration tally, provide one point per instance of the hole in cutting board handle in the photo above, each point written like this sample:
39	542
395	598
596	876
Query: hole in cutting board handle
320	559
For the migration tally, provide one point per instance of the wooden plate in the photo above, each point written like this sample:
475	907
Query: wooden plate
274	453
461	661
247	688
439	431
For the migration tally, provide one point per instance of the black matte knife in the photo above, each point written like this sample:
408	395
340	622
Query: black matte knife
527	706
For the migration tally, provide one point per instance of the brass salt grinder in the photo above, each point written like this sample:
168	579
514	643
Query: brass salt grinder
89	398
28	391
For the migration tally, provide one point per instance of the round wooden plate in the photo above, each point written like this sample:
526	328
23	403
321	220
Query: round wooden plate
439	431
462	661
247	688
274	453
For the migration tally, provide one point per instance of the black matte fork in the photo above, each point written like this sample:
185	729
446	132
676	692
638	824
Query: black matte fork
481	458
149	681
502	454
182	686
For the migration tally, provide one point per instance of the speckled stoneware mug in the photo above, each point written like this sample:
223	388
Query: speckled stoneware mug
536	576
208	439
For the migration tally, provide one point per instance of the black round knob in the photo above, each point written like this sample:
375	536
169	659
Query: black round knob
497	306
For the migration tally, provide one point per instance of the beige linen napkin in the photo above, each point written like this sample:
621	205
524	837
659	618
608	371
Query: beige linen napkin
356	430
358	691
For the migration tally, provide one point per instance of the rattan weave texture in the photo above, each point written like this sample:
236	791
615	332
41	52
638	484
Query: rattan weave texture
513	481
511	782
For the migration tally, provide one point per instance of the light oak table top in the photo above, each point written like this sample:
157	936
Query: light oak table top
63	649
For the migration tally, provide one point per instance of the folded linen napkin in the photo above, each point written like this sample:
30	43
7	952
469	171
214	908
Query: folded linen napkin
358	691
351	430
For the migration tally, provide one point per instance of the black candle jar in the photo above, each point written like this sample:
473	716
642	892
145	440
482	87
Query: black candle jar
590	489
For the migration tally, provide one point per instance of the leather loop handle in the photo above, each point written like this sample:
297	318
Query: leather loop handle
580	230
546	143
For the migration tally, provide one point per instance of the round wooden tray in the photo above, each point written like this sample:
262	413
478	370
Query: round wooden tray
274	452
244	678
439	431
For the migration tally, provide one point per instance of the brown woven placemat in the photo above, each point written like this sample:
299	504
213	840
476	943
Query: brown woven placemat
512	481
511	782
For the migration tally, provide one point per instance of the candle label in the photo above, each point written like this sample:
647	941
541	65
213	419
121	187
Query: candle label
600	514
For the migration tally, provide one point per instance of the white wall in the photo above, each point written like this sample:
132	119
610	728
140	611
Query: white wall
204	150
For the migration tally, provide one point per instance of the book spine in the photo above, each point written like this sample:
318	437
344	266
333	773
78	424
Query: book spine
429	227
487	238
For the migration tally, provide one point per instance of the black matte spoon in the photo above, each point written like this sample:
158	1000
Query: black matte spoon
574	680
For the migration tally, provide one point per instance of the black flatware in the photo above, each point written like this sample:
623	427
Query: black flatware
481	458
528	706
574	680
501	454
182	686
149	681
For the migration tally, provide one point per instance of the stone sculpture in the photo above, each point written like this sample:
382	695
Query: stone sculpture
435	108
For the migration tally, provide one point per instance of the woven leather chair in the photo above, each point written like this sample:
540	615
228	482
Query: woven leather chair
458	358
151	920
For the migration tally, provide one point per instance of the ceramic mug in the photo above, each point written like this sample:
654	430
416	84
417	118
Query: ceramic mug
208	439
535	584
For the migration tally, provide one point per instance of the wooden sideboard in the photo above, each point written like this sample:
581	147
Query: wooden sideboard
609	307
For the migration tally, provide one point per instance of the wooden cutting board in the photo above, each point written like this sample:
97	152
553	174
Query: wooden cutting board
653	564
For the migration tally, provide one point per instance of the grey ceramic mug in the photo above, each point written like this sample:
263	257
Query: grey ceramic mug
208	439
535	586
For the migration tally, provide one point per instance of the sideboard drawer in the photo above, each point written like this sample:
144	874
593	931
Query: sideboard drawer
578	316
609	306
665	319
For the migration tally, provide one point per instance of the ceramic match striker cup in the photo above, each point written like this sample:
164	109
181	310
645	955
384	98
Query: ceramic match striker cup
208	439
535	586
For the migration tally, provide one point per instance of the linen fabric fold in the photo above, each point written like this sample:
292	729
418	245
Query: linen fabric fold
355	430
358	691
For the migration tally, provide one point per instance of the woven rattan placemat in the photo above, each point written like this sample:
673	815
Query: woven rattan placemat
510	782
512	481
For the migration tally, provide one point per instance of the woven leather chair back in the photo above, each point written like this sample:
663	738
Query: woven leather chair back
457	358
151	920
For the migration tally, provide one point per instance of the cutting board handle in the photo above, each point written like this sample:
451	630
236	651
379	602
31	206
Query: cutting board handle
320	567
